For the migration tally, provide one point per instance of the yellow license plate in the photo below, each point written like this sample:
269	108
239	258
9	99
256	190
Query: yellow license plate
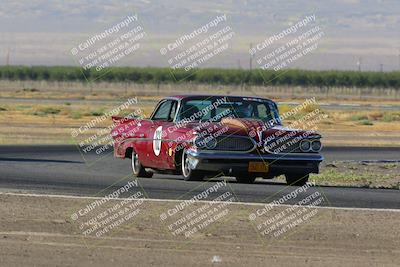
258	166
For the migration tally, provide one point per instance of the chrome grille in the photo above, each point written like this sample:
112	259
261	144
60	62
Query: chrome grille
234	143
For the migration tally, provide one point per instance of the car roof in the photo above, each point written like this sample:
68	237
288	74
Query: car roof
184	96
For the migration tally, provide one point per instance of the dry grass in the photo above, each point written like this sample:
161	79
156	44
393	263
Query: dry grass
45	112
119	90
52	123
369	175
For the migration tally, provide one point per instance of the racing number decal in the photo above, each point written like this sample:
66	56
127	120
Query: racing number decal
157	141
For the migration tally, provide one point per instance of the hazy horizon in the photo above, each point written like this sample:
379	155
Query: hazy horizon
41	32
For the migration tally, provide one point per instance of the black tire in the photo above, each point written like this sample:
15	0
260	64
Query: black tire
189	174
296	179
137	167
245	179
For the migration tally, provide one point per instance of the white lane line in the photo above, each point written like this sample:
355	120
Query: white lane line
201	201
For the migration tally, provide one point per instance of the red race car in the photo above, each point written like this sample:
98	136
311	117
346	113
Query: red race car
198	136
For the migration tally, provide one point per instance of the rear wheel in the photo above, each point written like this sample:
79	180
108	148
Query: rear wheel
137	168
245	179
187	173
296	179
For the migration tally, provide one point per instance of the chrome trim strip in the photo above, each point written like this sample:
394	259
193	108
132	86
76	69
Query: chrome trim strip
293	156
177	110
152	139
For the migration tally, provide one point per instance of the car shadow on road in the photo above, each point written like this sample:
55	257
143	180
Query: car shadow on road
268	182
230	180
256	182
41	160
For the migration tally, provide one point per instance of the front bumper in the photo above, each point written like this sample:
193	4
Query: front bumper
232	163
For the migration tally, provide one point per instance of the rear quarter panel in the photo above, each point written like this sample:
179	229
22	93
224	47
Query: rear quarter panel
127	134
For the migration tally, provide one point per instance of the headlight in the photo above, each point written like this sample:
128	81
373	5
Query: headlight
305	146
316	145
208	142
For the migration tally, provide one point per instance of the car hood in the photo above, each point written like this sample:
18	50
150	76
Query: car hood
255	128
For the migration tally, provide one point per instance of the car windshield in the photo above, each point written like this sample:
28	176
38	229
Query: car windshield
214	109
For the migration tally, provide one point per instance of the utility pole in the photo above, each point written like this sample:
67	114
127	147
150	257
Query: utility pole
399	57
359	64
8	57
239	65
381	67
251	58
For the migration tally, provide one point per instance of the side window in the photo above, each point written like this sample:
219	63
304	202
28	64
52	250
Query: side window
262	111
191	110
265	111
166	111
162	113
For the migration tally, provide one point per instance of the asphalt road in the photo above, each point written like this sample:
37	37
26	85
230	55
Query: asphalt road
63	170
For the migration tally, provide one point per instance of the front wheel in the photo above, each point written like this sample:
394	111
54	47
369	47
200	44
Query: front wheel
137	168
296	179
187	173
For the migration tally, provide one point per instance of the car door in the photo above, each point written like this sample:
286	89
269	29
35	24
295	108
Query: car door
157	147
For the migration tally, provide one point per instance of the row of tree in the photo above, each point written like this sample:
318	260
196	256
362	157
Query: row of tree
210	76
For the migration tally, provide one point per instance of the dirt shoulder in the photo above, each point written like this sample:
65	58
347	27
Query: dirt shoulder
42	231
